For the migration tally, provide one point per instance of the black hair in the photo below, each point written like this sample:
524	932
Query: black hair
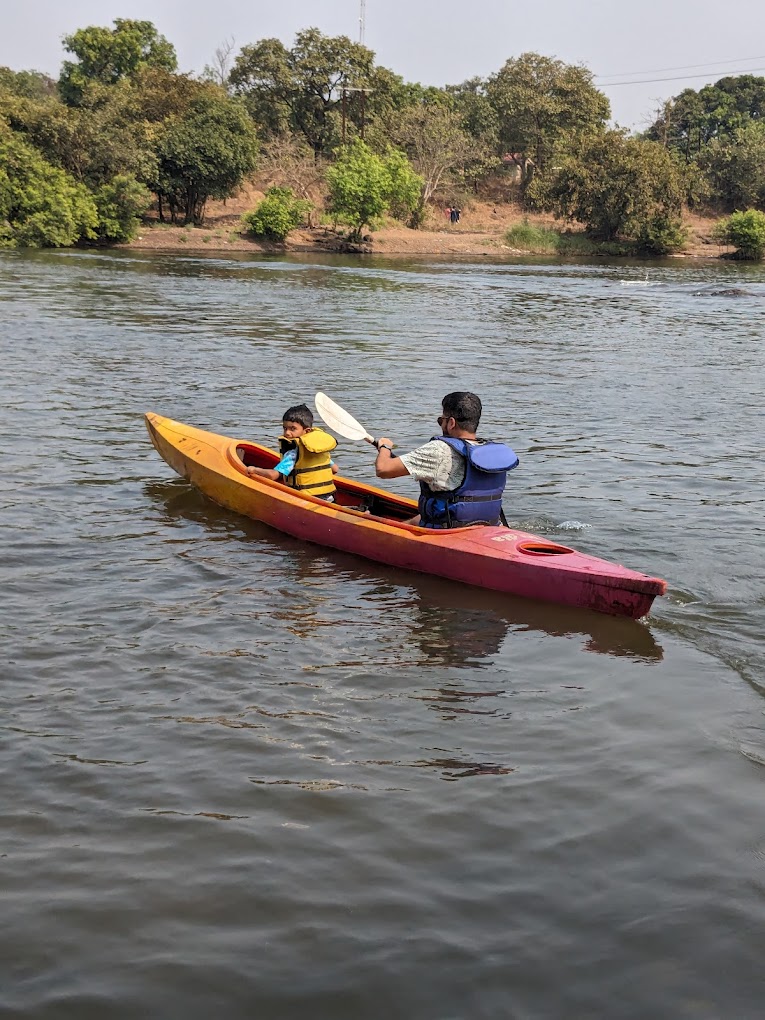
301	413
464	407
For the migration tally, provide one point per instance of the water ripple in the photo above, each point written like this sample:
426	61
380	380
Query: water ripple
244	774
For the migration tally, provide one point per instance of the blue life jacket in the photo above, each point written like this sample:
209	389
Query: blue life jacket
478	500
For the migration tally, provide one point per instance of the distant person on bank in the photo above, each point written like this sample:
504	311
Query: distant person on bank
461	477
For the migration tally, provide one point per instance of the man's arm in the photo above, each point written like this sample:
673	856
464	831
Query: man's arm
386	465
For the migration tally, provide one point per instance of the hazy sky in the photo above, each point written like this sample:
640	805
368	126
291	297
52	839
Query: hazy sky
440	42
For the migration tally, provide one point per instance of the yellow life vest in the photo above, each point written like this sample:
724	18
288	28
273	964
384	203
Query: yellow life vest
312	473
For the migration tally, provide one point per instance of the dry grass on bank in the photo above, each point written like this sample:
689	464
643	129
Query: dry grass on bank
481	231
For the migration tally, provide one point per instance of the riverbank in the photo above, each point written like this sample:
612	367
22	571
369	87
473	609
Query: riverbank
481	231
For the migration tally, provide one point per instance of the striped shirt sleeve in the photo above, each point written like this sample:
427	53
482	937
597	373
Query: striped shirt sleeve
436	464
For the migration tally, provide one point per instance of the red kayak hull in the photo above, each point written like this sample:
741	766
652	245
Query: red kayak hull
501	559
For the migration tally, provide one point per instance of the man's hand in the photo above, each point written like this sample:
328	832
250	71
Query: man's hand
387	465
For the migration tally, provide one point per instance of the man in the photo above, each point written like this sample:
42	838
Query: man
461	477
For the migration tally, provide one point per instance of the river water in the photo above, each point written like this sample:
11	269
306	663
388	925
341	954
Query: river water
248	777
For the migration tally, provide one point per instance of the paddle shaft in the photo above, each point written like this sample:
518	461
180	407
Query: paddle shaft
340	421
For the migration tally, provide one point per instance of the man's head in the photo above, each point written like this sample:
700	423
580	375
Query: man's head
461	413
297	420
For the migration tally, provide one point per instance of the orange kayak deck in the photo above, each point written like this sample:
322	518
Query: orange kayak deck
370	522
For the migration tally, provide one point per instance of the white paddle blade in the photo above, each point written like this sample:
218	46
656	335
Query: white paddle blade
338	419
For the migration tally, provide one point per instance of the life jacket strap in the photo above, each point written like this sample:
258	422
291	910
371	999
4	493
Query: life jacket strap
314	485
485	498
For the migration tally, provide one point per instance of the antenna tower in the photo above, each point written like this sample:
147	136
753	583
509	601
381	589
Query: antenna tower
362	20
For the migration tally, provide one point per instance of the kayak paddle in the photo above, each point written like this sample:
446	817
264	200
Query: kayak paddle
340	421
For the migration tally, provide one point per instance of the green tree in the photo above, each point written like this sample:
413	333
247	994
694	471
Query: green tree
300	90
154	95
263	77
477	115
438	147
617	187
746	231
40	205
539	102
93	144
106	55
735	167
362	186
405	186
278	214
690	121
120	203
204	154
27	84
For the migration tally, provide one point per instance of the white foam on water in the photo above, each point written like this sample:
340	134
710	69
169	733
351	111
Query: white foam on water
641	283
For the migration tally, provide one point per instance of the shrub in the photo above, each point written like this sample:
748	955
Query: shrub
41	206
120	203
616	186
577	244
746	232
405	186
526	237
278	214
661	235
362	186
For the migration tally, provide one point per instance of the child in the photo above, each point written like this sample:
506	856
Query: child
305	464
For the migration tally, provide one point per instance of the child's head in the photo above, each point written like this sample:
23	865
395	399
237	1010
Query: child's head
297	420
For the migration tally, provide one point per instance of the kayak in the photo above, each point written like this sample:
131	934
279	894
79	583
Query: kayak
371	522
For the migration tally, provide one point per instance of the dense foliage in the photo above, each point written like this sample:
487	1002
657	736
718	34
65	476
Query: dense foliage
278	214
618	187
40	205
105	55
746	232
120	203
83	156
539	103
206	153
302	90
363	186
719	130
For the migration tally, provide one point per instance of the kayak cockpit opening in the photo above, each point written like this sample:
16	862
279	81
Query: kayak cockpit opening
256	456
543	548
352	495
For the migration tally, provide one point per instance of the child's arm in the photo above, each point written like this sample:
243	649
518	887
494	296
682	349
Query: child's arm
278	473
254	472
335	468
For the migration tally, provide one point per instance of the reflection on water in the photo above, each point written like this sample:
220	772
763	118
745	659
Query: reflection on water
448	623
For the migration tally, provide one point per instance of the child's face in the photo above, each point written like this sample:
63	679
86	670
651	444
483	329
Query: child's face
293	429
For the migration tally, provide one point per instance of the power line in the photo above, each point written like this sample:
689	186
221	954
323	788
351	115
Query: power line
680	67
680	77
